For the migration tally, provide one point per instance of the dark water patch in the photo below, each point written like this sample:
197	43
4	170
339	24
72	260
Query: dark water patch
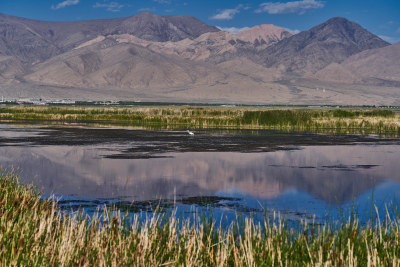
136	156
161	205
366	166
180	141
350	167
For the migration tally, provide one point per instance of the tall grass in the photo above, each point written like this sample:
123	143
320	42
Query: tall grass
34	233
338	120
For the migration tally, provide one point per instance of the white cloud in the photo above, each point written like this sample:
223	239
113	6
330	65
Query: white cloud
236	30
398	30
112	6
389	39
233	30
299	7
65	3
292	31
228	14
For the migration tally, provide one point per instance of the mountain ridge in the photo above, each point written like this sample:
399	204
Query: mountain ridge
180	58
53	38
314	49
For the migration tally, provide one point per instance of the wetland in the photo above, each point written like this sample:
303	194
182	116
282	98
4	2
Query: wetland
299	174
111	186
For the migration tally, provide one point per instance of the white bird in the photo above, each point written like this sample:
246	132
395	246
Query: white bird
189	132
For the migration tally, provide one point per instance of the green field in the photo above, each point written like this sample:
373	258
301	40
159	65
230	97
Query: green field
311	119
33	232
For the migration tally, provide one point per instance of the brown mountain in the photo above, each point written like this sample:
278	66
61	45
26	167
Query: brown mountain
312	50
109	64
211	46
32	41
179	58
380	66
148	26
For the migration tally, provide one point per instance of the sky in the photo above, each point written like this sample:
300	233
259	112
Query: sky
381	17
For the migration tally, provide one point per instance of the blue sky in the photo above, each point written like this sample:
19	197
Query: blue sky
382	17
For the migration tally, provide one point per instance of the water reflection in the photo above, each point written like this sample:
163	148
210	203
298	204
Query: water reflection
331	173
143	165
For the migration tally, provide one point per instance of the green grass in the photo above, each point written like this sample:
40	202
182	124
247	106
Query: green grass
277	117
340	113
34	233
333	120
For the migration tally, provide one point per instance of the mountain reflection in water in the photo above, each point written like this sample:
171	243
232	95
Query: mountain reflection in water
134	165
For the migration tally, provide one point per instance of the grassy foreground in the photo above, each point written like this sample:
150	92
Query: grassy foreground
34	233
338	120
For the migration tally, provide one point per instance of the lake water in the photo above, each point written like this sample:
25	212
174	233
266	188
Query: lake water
299	175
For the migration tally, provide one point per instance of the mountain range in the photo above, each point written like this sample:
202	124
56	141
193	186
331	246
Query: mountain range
147	57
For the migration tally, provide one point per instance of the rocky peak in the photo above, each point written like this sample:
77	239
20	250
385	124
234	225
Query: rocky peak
312	50
266	33
151	27
341	30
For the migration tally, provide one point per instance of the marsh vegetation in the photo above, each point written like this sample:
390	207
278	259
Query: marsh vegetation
40	232
329	120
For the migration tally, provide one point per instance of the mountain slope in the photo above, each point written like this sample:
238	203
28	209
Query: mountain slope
26	40
33	41
109	67
335	72
380	65
108	64
312	50
10	68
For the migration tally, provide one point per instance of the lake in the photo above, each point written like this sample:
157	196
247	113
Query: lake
247	172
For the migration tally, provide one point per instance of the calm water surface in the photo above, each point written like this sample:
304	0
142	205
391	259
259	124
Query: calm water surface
300	175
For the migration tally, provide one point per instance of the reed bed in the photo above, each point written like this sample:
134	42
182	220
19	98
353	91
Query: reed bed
334	120
33	232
